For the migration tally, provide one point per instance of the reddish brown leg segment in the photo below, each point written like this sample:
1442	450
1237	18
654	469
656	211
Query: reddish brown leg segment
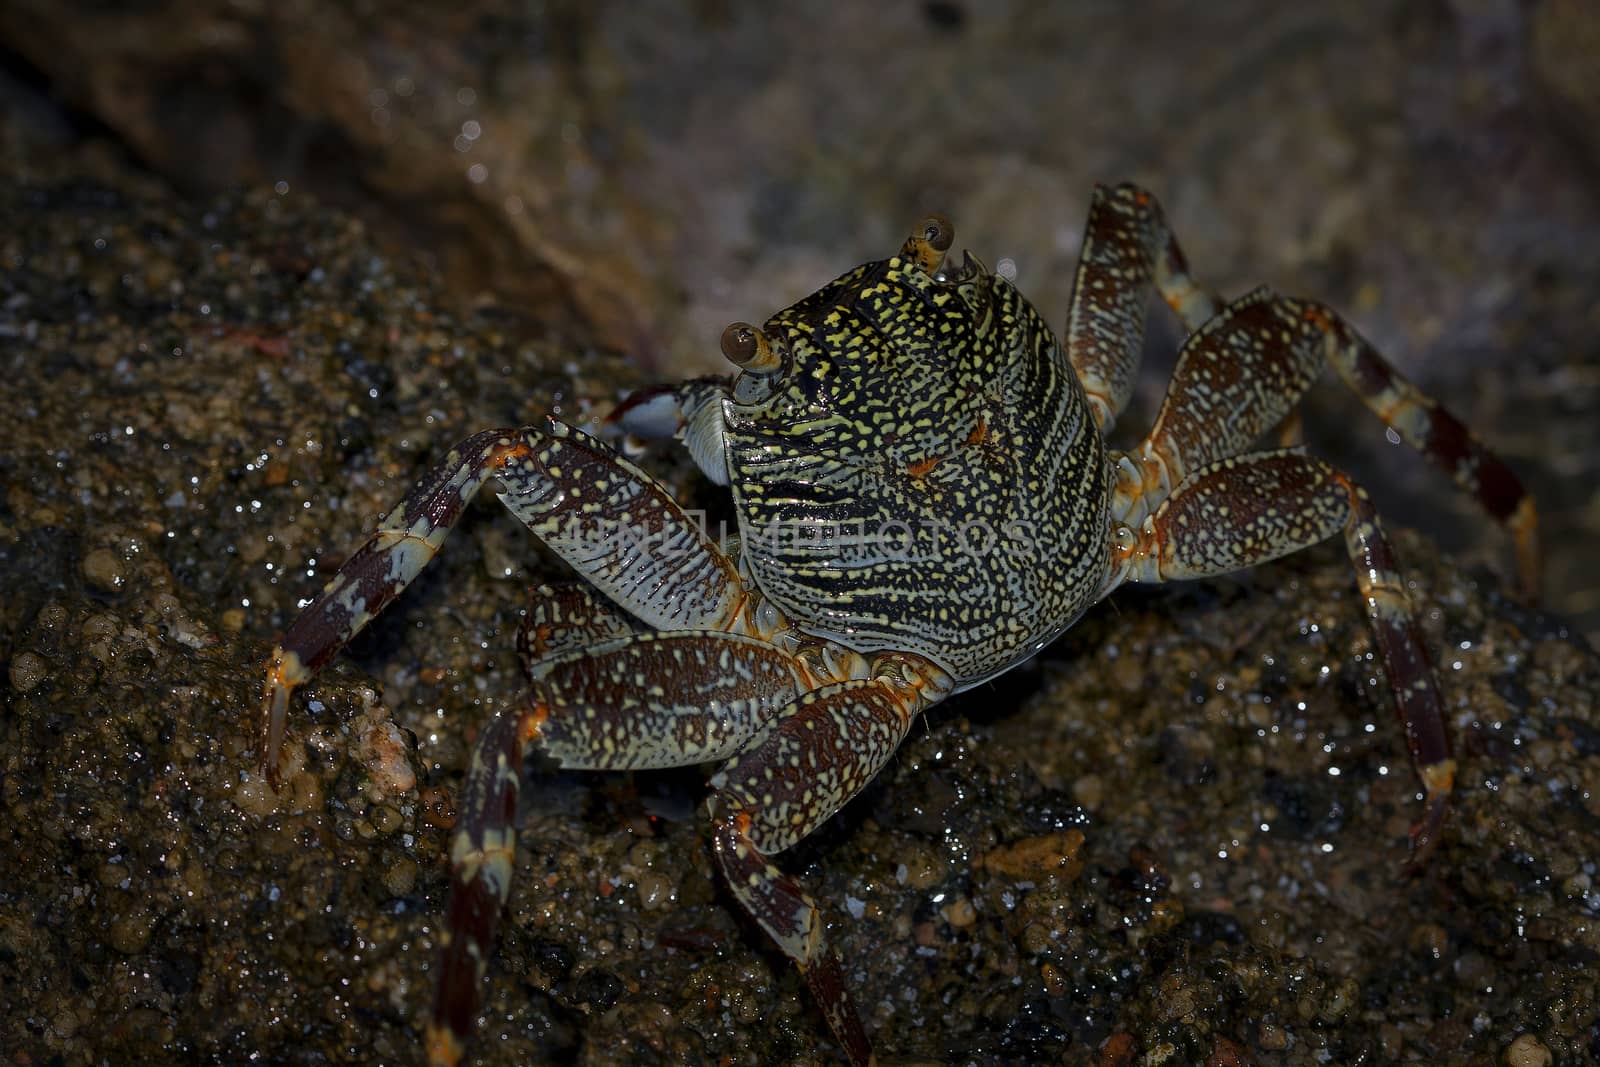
482	859
791	918
705	696
822	751
1240	512
1245	371
1440	437
604	516
1127	249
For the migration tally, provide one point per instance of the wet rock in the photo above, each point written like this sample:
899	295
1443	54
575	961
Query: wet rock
28	670
1527	1051
163	904
103	570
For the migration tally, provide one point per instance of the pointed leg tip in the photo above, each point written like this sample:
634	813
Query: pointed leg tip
444	1048
284	673
1524	523
826	979
1425	835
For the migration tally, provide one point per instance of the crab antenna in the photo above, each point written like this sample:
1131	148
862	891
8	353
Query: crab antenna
748	349
929	242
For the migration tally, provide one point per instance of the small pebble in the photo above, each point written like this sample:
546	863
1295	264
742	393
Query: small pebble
381	749
385	820
1527	1051
28	669
131	932
1055	855
959	912
400	877
1036	938
655	891
103	570
924	867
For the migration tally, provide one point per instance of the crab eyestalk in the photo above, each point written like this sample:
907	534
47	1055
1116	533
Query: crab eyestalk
929	242
748	349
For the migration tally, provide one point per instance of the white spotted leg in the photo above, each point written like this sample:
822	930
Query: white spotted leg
1191	503
619	529
646	700
1244	372
1127	250
803	735
821	751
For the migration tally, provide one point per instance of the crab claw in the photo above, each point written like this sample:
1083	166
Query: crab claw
690	411
654	413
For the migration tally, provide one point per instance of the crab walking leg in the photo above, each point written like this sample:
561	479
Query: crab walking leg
623	533
1238	376
618	528
1441	438
1244	371
704	696
820	753
565	618
1240	512
1127	247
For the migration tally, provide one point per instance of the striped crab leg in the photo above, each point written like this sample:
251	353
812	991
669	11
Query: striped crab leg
1189	504
1244	371
819	753
707	695
801	745
1127	250
615	525
1441	438
1242	511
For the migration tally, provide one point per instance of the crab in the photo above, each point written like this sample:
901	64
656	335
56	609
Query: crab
925	498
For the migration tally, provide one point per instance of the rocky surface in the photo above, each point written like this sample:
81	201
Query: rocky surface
1175	838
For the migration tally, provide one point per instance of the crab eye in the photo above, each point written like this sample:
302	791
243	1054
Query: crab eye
929	242
748	349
